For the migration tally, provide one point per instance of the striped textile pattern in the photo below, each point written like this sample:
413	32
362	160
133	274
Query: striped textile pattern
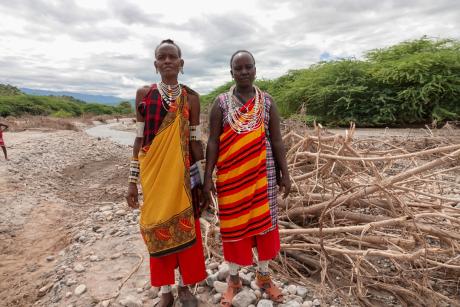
271	170
242	182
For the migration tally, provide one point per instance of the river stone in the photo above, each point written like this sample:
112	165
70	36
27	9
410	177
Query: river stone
78	267
211	279
290	304
292	289
224	271
216	298
302	291
131	301
220	286
244	299
265	303
80	289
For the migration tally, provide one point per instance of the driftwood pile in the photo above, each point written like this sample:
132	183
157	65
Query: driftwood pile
371	221
375	221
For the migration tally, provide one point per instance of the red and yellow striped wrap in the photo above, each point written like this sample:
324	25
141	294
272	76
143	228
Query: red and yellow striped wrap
242	184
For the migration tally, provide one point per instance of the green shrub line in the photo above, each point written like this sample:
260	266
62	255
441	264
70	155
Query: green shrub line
411	83
15	103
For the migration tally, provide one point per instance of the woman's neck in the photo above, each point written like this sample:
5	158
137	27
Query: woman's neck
245	90
169	81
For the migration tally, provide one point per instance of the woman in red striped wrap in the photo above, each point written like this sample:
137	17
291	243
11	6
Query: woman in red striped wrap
245	145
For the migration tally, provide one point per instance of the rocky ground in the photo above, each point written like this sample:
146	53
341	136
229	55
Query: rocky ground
67	238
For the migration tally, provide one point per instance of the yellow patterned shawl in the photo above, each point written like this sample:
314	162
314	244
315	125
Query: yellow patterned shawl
167	222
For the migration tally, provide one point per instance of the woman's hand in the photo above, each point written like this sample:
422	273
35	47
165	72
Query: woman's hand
132	196
208	188
285	185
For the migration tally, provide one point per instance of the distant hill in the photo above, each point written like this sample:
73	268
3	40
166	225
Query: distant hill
84	97
14	102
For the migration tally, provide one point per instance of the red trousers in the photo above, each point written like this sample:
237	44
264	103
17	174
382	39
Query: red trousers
190	262
240	252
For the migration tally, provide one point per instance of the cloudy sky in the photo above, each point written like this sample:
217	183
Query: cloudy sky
106	46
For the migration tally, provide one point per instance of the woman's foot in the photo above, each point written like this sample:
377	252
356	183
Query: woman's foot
266	284
167	300
186	297
234	286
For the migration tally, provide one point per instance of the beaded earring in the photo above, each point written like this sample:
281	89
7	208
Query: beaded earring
156	69
182	70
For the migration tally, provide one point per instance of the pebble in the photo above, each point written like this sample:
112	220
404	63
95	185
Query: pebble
307	304
50	258
220	286
79	268
265	303
115	256
224	271
131	301
106	208
243	299
291	304
68	294
216	298
70	282
302	291
80	289
292	289
93	258
316	302
211	279
246	278
139	290
105	303
44	289
120	212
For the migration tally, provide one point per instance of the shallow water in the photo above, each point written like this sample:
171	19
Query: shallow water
106	131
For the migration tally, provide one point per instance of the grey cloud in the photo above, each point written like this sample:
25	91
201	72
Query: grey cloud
129	13
64	12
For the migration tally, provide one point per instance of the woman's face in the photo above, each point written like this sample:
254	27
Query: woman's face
243	69
167	61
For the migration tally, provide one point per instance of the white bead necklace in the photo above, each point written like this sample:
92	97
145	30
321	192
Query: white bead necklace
169	93
244	122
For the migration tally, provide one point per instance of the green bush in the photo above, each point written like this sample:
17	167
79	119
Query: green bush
61	114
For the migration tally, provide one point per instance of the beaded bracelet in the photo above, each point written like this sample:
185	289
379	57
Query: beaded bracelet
134	171
195	133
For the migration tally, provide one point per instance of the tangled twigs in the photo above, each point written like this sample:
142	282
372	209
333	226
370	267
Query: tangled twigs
375	218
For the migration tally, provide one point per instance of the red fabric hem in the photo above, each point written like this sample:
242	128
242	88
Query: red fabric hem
240	252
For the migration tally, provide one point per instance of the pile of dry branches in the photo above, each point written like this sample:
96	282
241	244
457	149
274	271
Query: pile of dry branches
375	221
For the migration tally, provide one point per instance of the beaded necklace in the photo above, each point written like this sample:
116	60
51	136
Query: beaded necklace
169	93
244	122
